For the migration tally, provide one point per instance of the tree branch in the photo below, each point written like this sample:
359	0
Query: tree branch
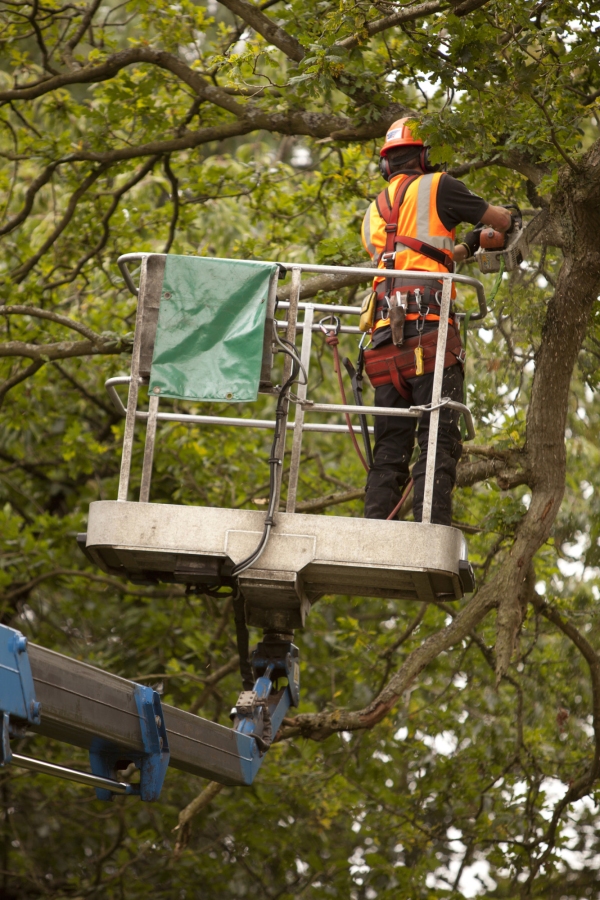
249	118
319	726
66	349
20	376
174	200
567	317
389	651
105	407
83	27
328	282
24	589
112	66
329	500
507	475
52	317
216	676
32	191
582	785
192	809
406	14
262	24
101	243
23	270
553	137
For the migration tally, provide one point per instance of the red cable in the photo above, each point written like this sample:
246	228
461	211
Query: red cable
332	340
398	505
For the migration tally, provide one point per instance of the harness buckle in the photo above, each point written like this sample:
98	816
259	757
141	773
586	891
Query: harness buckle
388	259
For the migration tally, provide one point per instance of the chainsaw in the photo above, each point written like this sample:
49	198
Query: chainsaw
495	247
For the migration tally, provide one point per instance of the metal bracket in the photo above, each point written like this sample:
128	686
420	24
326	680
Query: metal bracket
258	713
284	658
152	761
17	692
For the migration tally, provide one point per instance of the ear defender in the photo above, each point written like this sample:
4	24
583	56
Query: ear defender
426	165
384	167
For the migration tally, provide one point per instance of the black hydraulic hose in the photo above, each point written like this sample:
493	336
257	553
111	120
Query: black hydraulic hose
356	380
274	462
266	740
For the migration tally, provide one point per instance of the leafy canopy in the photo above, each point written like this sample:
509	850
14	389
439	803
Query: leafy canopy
252	131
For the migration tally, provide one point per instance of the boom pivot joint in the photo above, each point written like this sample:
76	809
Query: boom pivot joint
260	711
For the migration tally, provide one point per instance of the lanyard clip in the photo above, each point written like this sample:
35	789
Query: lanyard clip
420	323
330	326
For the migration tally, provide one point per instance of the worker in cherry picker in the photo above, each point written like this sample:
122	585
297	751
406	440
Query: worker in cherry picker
403	317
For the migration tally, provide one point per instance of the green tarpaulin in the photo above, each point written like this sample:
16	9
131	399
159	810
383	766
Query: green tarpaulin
210	332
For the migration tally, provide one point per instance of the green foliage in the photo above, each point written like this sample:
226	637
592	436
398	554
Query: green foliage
452	793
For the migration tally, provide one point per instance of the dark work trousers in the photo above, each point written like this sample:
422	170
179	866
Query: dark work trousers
394	443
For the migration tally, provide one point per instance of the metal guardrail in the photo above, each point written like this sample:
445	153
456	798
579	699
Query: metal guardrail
303	407
192	419
369	274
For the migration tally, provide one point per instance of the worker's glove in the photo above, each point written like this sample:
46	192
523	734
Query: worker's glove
471	240
515	217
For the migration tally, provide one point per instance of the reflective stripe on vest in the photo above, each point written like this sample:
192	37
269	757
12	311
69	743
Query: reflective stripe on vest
428	225
366	237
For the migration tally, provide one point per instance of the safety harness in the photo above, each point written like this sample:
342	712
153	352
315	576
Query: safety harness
418	297
390	364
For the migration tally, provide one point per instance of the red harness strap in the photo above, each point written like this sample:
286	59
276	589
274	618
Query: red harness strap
333	341
395	365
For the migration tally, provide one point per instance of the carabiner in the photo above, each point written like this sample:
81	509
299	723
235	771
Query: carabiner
420	322
330	329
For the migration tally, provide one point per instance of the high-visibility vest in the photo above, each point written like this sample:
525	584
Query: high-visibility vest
417	218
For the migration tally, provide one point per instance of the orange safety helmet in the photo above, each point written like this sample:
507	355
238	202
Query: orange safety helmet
400	135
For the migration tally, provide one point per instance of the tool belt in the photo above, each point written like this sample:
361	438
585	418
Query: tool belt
414	311
395	365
